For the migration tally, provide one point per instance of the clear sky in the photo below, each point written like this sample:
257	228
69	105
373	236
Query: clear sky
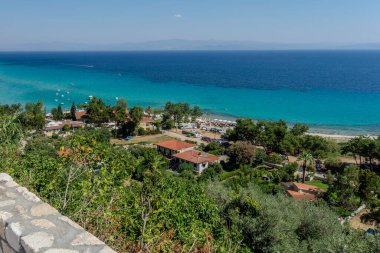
118	21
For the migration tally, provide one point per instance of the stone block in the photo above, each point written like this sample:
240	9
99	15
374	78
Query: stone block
86	238
34	242
13	234
61	251
4	217
5	203
72	223
11	195
6	247
107	249
28	195
11	184
5	178
43	223
42	210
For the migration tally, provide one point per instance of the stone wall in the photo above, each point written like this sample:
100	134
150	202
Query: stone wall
28	225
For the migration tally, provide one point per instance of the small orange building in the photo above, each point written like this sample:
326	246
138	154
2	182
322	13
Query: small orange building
198	159
300	191
171	147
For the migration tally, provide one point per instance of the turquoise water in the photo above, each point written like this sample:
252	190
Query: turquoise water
335	110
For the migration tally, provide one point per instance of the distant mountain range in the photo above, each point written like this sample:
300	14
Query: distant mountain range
177	44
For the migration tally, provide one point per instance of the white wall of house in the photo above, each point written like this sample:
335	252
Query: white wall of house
202	166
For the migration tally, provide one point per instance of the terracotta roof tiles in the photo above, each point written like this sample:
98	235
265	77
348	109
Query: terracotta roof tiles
175	145
197	157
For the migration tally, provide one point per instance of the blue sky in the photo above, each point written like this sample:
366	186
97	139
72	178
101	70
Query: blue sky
117	21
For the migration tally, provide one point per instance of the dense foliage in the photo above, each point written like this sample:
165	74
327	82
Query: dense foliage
129	198
278	137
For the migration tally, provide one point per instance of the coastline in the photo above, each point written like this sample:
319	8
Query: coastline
336	133
223	90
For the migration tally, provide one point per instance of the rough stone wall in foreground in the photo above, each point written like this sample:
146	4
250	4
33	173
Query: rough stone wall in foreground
28	225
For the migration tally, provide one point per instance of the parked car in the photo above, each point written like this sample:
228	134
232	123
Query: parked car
206	139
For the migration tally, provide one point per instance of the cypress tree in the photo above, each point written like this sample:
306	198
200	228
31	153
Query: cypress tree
73	110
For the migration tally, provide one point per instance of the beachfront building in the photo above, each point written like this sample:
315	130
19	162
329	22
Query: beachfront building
198	159
171	147
82	116
147	124
300	191
55	127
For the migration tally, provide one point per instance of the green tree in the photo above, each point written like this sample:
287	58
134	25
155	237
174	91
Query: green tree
98	111
299	129
120	111
73	111
306	159
149	110
241	153
136	113
33	116
59	113
195	113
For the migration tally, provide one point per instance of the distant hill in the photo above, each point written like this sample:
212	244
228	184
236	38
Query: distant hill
178	44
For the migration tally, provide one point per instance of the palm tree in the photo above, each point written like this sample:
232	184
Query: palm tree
306	159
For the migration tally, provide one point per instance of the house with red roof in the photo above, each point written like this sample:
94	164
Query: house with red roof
55	127
82	116
301	195
198	159
301	191
147	123
171	147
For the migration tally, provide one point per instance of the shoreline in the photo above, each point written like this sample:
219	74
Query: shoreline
336	133
337	137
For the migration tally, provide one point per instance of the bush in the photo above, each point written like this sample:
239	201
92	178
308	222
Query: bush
334	164
66	128
211	172
213	148
141	131
261	155
242	153
185	167
274	158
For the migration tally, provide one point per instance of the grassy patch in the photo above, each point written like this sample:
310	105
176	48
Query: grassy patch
318	184
148	139
230	174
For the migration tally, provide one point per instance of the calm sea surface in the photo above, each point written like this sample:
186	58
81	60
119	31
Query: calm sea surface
334	91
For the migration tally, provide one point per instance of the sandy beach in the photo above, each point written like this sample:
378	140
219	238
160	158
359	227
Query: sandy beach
339	137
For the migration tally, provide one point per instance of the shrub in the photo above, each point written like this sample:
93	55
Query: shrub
274	158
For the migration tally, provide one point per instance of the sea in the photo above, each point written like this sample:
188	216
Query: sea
335	92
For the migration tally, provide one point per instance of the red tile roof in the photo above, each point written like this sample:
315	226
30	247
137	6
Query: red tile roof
306	187
197	157
146	120
79	115
175	145
301	195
